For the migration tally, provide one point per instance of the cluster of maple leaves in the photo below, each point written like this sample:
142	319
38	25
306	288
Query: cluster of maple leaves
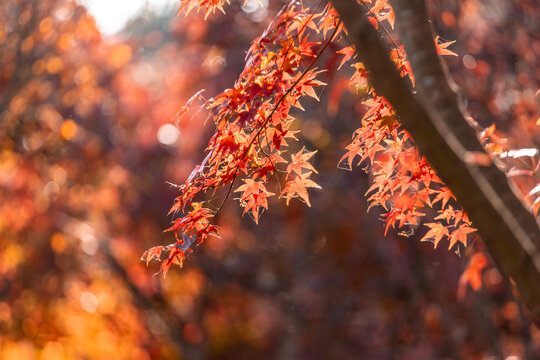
253	127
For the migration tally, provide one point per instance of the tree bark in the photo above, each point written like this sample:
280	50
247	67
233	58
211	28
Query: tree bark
436	120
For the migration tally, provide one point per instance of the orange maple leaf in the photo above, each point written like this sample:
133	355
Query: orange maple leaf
436	232
300	161
460	234
442	47
473	274
176	256
149	254
444	194
347	52
298	186
254	195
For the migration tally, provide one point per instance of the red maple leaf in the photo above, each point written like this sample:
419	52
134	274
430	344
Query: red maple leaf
298	186
347	52
154	252
460	234
443	194
436	232
176	256
442	47
473	274
300	161
254	196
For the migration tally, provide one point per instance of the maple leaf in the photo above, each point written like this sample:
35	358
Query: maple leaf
329	20
298	186
399	57
186	242
473	274
300	161
197	219
268	166
447	214
209	6
443	194
151	253
228	142
279	133
360	148
375	106
436	232
391	218
442	47
379	5
176	256
306	48
254	195
389	121
355	149
359	74
347	52
384	11
460	234
458	216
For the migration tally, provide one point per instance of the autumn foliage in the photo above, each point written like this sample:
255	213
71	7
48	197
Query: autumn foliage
89	142
252	130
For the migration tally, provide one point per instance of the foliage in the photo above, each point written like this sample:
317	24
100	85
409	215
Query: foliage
252	128
71	146
83	195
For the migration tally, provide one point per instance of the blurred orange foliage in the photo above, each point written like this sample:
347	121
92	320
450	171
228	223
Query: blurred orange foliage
83	194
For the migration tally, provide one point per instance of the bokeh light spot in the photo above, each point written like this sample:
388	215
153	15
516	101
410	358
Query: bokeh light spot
469	62
120	55
89	244
45	24
167	134
89	302
257	10
54	65
58	242
68	129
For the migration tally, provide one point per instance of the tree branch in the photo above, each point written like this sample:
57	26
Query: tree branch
437	122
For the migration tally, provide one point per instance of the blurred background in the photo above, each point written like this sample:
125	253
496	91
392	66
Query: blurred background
88	94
